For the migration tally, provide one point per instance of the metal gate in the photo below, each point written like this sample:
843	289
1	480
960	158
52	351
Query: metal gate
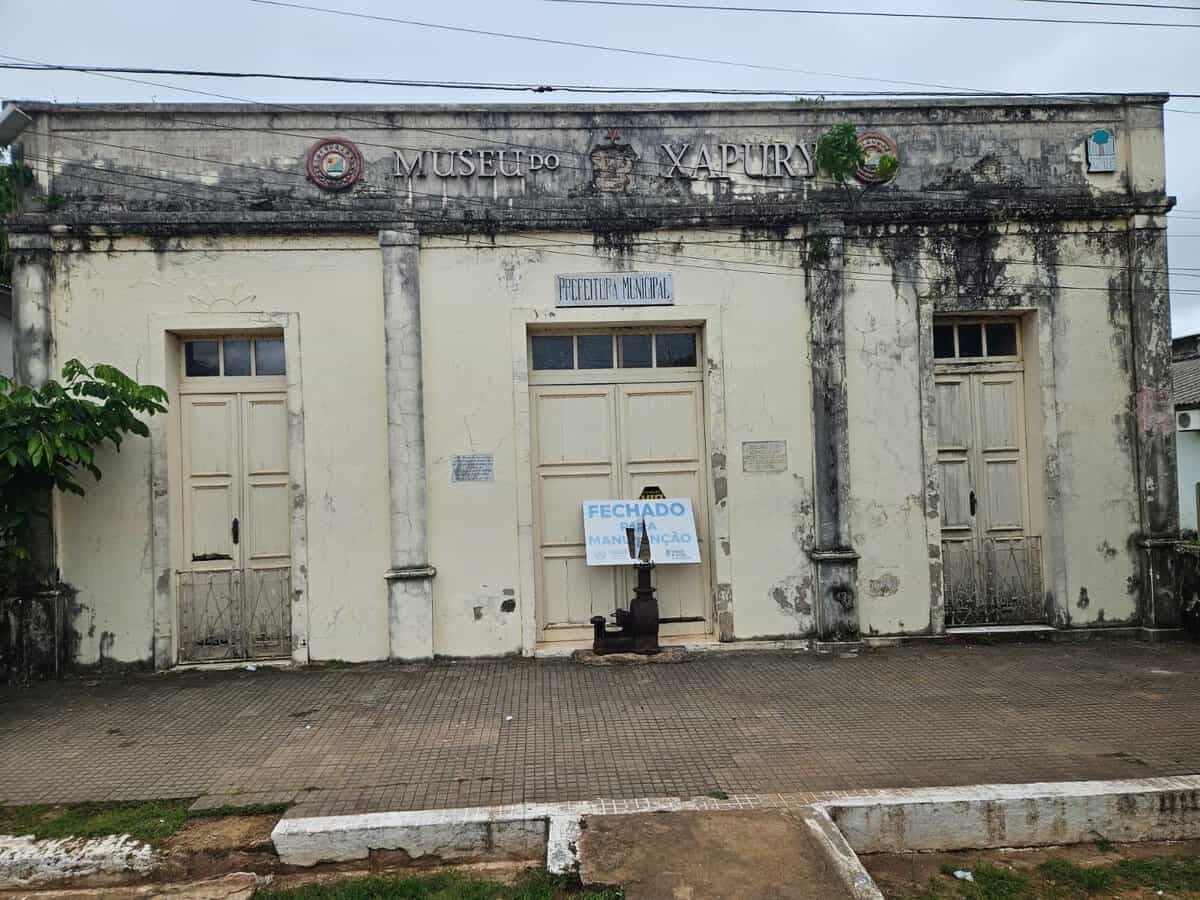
235	614
993	582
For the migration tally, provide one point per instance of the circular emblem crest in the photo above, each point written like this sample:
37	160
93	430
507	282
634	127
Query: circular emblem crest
874	146
334	164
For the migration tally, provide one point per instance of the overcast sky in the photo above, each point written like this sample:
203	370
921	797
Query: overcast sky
243	35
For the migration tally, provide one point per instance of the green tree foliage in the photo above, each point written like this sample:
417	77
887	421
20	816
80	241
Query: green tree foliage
839	156
49	438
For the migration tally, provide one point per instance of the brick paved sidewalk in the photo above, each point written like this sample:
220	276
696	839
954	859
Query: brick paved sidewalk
385	737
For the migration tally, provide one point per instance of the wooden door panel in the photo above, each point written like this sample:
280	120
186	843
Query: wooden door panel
998	415
1001	507
659	423
574	426
575	591
1001	488
956	493
266	429
954	425
662	444
574	439
212	474
266	511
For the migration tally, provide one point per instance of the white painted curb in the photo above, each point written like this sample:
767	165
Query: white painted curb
25	862
1020	815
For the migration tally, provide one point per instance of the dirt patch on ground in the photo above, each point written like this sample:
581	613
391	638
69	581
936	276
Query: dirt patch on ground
212	834
764	854
1101	870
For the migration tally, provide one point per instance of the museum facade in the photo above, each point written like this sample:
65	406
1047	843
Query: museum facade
405	345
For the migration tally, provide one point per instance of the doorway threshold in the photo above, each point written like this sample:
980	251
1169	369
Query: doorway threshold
998	629
562	649
276	662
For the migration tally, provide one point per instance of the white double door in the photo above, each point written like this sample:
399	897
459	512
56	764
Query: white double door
235	586
598	441
991	564
981	456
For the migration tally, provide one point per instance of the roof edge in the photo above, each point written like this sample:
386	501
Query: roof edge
888	103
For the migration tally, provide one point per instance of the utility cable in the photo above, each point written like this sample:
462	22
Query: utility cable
857	13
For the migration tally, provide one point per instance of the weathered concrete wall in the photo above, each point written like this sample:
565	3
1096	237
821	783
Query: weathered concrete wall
253	158
993	210
477	302
887	466
103	301
6	333
1097	454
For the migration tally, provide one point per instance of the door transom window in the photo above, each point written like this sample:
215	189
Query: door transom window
234	356
610	350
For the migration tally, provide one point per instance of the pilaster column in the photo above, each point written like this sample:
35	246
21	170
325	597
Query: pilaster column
31	308
410	588
835	558
32	360
1158	500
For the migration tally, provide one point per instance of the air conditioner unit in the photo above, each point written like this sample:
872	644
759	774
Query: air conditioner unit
1188	421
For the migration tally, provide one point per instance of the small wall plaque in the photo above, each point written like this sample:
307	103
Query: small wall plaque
473	467
764	456
615	289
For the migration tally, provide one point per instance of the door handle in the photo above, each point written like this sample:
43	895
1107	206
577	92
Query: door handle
234	529
973	504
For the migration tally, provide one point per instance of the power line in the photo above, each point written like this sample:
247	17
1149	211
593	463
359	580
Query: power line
879	14
1110	3
460	29
545	87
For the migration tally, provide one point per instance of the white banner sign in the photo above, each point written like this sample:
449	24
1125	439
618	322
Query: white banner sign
622	289
670	527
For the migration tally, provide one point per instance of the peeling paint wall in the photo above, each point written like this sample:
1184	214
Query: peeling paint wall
1096	446
993	210
887	508
103	298
476	307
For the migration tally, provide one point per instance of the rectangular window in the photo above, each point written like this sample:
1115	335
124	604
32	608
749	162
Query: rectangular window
595	351
233	357
237	357
202	358
553	351
635	351
1002	339
976	340
943	341
675	350
268	357
970	340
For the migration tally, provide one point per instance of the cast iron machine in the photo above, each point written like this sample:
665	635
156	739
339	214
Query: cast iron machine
637	627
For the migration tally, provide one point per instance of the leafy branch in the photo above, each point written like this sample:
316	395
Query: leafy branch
840	156
48	440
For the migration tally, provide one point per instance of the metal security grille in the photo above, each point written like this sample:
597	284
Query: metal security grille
235	614
993	582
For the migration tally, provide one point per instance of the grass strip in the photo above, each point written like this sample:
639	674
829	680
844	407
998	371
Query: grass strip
534	885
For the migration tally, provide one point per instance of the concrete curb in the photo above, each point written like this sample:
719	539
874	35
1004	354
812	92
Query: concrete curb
853	874
847	823
1020	815
25	862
